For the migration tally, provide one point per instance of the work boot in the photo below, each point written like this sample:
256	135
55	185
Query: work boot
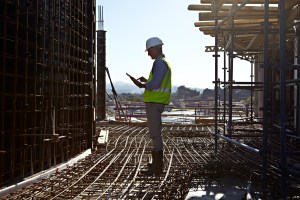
157	164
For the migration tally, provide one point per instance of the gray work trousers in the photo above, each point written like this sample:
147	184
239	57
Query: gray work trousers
153	112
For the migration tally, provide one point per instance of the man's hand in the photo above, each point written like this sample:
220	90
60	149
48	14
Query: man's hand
139	84
142	85
136	82
142	79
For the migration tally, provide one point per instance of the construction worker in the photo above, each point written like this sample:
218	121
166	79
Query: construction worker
156	96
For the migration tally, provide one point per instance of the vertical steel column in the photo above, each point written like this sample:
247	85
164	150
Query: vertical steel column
25	115
230	78
283	65
216	81
101	65
224	89
266	96
297	76
90	20
3	4
42	88
14	95
251	96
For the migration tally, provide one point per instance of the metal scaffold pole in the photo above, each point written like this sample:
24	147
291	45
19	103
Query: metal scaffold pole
283	66
266	103
297	76
216	84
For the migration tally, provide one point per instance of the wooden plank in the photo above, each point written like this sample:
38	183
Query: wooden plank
245	16
217	5
240	1
201	7
237	22
288	3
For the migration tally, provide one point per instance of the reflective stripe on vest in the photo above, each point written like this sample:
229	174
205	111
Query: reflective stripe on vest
163	93
162	90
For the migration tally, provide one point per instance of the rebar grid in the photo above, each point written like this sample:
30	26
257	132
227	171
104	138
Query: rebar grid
113	171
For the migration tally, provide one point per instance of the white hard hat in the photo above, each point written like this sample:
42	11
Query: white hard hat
154	41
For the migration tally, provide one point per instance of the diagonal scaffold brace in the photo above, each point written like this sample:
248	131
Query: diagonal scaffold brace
115	96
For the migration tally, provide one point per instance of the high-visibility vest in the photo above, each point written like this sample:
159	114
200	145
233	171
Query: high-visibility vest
163	93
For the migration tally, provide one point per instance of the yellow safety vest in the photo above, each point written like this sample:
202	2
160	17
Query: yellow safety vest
163	93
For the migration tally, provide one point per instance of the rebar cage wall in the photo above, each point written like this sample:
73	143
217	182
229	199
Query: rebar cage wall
46	84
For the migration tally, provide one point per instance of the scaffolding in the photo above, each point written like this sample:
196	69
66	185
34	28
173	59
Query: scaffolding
46	84
265	33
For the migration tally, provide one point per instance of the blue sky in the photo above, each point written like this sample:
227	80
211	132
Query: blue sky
130	23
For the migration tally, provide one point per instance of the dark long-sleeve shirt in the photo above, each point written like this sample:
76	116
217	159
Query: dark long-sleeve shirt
159	70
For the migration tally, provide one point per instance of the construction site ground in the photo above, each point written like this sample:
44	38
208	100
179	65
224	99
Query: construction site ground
193	168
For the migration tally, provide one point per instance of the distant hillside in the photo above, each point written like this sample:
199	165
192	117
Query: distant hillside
122	87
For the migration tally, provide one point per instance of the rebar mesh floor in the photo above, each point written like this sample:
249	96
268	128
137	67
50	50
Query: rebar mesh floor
113	171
